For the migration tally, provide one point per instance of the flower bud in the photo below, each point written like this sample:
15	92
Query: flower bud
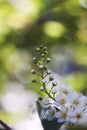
54	84
48	60
54	90
51	78
48	71
41	66
43	55
33	71
41	46
40	98
44	48
45	101
43	81
42	88
34	60
45	52
45	67
33	80
37	49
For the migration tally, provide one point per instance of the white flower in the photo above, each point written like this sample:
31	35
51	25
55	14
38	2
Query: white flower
61	100
72	106
62	116
78	116
77	100
65	89
45	101
51	113
54	90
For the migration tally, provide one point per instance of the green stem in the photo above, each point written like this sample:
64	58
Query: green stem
44	85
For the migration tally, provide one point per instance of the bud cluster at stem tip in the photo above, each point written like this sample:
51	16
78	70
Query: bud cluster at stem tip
41	63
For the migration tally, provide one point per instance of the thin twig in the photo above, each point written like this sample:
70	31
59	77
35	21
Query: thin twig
6	127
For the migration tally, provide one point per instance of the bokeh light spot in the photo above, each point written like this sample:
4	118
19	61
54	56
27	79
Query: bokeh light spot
54	29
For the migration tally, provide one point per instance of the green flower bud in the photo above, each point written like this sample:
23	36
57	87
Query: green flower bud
48	60
45	52
44	48
43	55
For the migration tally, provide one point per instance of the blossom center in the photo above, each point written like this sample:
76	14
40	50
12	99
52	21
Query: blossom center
64	115
52	112
76	102
65	91
78	116
62	101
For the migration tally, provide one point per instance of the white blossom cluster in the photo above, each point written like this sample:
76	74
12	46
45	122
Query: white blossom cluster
68	106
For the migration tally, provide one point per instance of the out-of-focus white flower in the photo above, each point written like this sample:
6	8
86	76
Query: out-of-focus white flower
45	101
54	90
65	89
61	100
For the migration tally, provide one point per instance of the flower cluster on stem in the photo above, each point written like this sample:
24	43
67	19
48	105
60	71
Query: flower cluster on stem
65	104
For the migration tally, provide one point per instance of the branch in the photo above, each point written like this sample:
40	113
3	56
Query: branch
5	126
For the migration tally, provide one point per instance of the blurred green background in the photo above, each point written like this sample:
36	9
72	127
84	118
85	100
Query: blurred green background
61	25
